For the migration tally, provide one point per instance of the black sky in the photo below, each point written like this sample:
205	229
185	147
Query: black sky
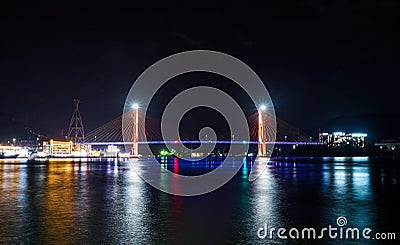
319	59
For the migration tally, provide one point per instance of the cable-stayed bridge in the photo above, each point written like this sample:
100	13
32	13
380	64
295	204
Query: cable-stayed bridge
261	133
112	132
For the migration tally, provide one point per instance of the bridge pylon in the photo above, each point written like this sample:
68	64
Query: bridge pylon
262	132
135	138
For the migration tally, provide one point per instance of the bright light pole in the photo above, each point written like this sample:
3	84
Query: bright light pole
262	137
135	108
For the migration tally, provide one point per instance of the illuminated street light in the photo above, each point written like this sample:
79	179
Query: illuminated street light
263	107
135	106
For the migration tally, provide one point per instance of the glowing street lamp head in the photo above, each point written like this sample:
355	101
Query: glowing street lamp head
263	107
135	106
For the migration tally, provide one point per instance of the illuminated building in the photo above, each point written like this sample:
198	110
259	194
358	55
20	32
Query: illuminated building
112	151
340	139
81	150
57	148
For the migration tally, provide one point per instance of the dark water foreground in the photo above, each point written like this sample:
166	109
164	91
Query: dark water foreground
62	202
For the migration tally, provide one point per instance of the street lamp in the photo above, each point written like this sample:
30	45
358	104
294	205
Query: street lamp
263	107
135	106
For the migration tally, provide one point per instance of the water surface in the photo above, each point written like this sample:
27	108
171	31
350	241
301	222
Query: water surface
81	202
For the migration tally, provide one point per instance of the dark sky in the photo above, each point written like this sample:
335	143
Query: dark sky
319	59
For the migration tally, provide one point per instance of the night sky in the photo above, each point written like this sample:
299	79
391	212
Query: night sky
320	60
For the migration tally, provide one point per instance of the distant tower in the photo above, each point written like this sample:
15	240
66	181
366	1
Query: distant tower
75	131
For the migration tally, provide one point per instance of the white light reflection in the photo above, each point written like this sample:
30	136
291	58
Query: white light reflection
136	216
264	199
340	179
361	184
360	159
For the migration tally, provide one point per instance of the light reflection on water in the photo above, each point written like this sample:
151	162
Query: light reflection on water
109	203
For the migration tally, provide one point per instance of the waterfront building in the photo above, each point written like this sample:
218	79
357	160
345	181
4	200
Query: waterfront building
341	139
57	148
